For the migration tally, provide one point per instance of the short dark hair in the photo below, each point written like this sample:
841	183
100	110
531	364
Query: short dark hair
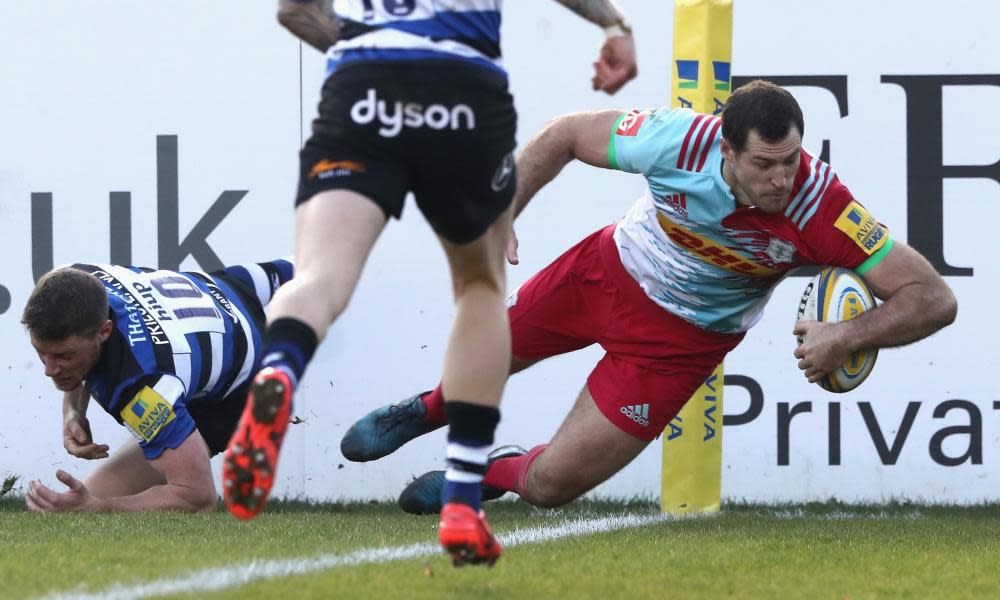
64	303
762	106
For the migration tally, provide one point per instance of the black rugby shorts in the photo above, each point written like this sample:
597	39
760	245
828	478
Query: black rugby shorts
442	130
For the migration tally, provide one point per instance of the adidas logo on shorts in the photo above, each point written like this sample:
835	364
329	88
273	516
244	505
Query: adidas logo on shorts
638	413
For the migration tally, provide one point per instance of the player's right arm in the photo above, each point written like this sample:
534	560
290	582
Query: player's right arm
312	21
635	142
580	136
77	438
189	486
647	142
615	65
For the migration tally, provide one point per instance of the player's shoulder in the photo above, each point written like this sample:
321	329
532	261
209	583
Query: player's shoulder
147	403
817	190
680	137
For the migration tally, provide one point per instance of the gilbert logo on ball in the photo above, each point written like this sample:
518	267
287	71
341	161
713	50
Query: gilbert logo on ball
835	295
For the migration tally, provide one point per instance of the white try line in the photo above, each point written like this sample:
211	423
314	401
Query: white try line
240	574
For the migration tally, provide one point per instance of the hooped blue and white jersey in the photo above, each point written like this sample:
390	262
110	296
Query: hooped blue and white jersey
381	30
700	255
179	339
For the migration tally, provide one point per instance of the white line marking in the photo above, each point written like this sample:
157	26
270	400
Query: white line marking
220	578
839	515
240	574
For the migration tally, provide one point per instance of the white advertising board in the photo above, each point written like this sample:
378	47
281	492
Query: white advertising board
165	133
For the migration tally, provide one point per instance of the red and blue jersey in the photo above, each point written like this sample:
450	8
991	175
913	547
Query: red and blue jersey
700	255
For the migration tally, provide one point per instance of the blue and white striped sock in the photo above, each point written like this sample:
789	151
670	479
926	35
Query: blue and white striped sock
464	477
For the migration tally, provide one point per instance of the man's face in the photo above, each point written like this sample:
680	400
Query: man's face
68	361
765	171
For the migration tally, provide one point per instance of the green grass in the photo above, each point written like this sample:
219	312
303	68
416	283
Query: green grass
813	551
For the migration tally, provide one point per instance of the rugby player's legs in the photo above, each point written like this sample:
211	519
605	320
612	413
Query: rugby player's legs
654	363
125	473
477	358
334	233
626	403
585	451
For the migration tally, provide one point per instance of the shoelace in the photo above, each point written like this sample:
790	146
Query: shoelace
398	413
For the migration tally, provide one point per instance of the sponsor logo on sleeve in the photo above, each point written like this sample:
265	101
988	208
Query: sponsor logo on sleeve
861	227
631	122
147	414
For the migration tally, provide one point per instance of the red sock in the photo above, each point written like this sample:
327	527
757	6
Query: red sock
434	401
509	474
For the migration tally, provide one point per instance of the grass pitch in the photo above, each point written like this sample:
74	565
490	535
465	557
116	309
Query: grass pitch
814	551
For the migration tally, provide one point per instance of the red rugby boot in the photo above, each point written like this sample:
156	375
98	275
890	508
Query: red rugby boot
465	535
252	456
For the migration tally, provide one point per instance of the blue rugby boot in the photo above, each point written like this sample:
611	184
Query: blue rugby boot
422	496
382	431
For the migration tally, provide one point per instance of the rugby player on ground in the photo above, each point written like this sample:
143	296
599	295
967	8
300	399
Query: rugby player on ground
168	355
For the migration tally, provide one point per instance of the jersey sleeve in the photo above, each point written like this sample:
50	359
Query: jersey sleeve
844	234
646	141
154	409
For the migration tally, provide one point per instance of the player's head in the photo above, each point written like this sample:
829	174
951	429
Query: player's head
762	131
67	320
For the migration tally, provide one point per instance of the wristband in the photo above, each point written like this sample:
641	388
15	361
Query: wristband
617	29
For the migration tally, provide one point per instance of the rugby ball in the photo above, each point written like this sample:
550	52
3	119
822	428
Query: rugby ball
833	295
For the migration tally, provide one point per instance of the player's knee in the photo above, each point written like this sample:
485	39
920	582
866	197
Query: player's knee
550	498
205	502
322	291
486	284
548	492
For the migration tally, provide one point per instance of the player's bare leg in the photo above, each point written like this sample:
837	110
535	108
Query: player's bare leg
477	359
476	366
586	451
334	234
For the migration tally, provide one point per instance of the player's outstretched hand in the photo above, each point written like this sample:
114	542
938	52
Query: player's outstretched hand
512	248
44	500
78	441
616	64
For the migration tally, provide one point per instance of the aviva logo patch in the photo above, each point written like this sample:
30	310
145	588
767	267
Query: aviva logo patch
147	413
721	71
861	227
687	74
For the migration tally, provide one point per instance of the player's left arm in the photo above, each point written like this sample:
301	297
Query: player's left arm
312	21
916	303
189	486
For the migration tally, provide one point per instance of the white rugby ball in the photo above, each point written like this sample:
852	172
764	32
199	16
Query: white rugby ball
833	295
